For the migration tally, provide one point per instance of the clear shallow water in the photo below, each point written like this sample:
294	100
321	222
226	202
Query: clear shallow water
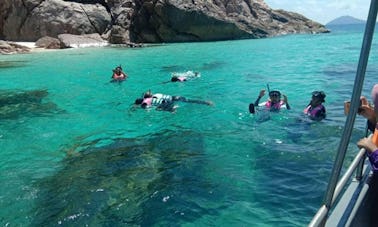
84	157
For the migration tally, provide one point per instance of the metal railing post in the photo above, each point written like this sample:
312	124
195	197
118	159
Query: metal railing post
355	101
359	169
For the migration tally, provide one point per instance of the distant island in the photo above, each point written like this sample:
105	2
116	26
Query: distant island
345	20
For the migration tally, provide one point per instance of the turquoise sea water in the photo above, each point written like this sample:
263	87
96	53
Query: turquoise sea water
83	156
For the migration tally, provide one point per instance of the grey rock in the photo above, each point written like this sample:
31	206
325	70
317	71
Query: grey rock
48	42
149	21
186	20
15	104
12	48
68	40
51	18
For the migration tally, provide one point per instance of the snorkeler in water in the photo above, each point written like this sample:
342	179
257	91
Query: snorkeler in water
182	77
273	104
118	74
315	109
164	102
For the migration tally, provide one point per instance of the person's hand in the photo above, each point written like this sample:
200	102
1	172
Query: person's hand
262	93
366	110
284	98
209	103
147	94
367	144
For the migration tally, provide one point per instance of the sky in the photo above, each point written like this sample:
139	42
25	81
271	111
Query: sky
324	11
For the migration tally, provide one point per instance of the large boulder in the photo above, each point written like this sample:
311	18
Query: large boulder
16	104
29	22
141	21
12	48
187	20
48	42
68	40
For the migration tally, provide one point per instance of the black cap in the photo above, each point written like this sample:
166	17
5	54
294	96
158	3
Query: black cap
319	94
138	101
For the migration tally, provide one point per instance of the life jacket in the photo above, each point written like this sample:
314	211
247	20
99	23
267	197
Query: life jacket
181	78
314	111
121	76
275	106
147	101
158	99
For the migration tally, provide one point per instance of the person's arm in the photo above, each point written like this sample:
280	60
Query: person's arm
367	112
286	102
183	99
319	115
262	93
209	103
166	106
370	126
372	151
373	158
323	113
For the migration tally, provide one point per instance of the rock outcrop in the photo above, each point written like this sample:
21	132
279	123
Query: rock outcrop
48	42
68	40
149	21
12	48
15	104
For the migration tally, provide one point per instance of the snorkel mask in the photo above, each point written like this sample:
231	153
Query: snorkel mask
275	94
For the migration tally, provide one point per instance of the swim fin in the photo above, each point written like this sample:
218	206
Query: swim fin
251	108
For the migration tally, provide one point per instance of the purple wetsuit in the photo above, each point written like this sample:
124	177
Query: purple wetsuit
373	158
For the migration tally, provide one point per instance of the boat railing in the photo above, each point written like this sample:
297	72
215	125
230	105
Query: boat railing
356	166
334	185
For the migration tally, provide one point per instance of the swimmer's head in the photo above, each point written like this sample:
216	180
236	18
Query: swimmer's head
118	70
148	94
273	94
138	101
319	95
174	79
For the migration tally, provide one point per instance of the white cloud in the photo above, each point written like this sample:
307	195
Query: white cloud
324	11
342	5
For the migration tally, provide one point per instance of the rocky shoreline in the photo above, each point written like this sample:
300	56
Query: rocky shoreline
62	42
54	24
13	48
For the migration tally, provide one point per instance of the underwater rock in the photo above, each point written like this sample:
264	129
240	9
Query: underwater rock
14	104
35	96
150	180
171	68
12	64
